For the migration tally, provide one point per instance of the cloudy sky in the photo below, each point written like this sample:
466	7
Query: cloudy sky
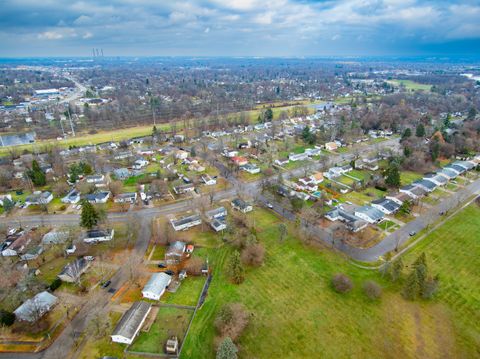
239	27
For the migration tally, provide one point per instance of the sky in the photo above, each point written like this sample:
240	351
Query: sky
274	28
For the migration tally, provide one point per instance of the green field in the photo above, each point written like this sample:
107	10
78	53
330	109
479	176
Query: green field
410	85
296	314
453	252
407	177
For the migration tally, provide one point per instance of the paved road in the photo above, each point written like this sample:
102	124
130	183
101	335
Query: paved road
99	304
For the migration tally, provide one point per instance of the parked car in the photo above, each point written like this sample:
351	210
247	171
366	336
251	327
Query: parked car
161	265
412	233
269	205
169	272
106	284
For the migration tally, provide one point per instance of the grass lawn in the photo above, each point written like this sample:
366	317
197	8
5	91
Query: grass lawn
187	294
410	85
296	314
453	252
407	177
170	321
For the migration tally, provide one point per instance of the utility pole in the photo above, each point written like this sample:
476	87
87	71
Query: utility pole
61	125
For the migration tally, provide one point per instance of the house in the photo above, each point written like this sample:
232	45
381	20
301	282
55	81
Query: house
156	286
331	146
467	165
302	195
38	197
369	214
185	223
54	237
72	272
448	173
72	197
413	192
35	308
98	235
32	253
282	161
140	163
456	168
18	245
335	172
250	168
219	212
425	184
209	180
217	218
129	197
230	153
244	145
352	222
400	198
241	205
97	180
317	178
186	188
174	253
181	154
294	157
385	205
313	152
196	167
439	180
129	325
121	173
123	155
239	160
99	197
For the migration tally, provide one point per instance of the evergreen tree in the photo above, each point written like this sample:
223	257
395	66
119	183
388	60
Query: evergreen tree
227	349
37	175
268	114
8	205
397	268
412	287
6	318
420	131
235	268
89	216
392	175
407	133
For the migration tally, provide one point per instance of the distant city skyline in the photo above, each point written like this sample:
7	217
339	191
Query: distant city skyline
274	28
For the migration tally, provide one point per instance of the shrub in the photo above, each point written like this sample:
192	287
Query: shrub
253	255
231	320
342	283
55	284
6	318
227	349
372	290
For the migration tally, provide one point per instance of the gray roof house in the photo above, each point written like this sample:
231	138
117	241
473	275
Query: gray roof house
121	173
185	223
35	308
385	205
72	197
174	253
72	272
156	286
425	184
369	214
353	223
129	325
39	198
240	205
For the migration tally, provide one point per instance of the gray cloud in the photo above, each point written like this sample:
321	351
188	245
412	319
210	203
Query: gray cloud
236	27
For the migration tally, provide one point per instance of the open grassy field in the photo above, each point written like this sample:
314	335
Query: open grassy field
407	177
453	252
410	85
296	314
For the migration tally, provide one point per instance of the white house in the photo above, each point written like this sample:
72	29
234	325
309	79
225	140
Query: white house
331	146
39	197
129	325
297	157
186	222
72	197
369	214
34	308
209	180
156	286
98	235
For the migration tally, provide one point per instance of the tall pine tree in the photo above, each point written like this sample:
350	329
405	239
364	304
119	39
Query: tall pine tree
89	216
